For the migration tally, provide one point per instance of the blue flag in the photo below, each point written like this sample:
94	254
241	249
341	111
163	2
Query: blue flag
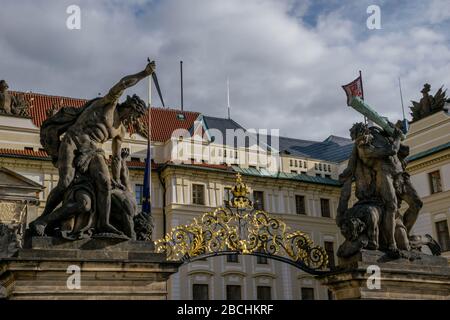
146	200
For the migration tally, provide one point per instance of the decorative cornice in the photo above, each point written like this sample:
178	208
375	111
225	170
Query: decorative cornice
428	127
415	167
264	274
14	116
21	129
428	152
234	272
201	271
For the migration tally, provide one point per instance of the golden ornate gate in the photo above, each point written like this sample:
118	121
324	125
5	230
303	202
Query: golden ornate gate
239	228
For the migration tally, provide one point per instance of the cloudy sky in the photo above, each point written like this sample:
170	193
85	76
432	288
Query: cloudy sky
286	59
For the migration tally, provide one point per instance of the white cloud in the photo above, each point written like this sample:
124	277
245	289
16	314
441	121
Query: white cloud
284	73
438	11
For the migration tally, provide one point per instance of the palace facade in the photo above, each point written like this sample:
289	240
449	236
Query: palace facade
194	166
429	166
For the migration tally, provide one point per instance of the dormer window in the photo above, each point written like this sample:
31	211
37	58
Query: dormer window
181	117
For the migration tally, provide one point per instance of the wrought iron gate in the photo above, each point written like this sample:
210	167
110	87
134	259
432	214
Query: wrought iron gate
239	228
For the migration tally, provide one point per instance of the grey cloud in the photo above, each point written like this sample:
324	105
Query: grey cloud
283	73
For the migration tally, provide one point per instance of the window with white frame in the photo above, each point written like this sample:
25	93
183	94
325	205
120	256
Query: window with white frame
307	293
198	194
435	181
325	208
443	236
234	292
300	205
200	291
258	200
139	191
227	195
263	293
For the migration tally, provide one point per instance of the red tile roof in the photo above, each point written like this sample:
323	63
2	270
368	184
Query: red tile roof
164	121
24	153
41	103
140	164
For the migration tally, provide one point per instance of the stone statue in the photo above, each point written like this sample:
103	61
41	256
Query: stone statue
78	215
10	238
429	104
54	109
377	168
10	104
87	191
143	226
5	98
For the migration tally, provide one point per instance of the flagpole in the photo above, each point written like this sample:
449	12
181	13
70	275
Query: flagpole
149	92
228	97
149	139
181	85
362	89
362	93
405	124
401	97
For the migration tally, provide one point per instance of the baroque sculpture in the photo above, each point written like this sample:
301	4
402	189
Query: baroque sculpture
88	200
429	104
12	105
377	168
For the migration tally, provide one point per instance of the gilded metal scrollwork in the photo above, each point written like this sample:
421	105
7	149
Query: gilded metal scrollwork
240	228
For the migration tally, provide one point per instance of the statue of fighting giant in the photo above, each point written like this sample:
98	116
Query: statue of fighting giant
74	138
377	168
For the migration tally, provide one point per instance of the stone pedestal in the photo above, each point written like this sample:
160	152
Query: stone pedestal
424	277
108	269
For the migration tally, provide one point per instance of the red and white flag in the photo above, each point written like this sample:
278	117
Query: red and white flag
354	89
